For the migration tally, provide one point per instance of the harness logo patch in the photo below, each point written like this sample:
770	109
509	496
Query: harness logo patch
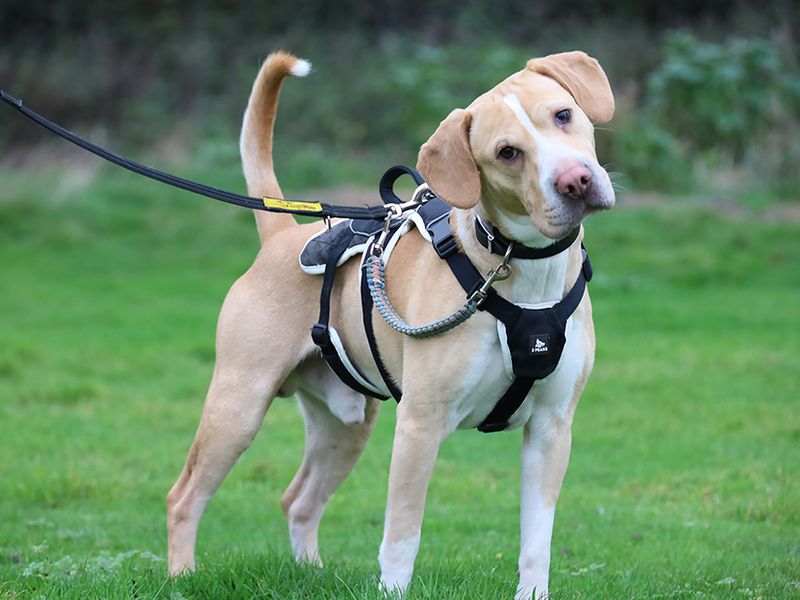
539	344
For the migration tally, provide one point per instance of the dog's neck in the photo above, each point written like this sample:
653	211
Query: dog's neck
532	281
517	228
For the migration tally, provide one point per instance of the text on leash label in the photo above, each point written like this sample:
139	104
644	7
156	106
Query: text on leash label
292	204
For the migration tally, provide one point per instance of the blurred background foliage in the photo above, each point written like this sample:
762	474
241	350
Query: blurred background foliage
708	92
687	441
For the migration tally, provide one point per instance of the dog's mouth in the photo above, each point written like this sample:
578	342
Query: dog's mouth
563	213
559	227
572	191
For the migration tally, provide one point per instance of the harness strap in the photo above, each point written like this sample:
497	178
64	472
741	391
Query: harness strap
497	420
435	214
366	313
508	312
321	332
326	337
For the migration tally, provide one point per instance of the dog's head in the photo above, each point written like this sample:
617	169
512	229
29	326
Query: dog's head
526	147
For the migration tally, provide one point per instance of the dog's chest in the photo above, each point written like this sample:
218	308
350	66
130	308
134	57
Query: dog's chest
488	373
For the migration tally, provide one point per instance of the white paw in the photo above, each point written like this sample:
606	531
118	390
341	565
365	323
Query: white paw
309	559
397	564
393	588
525	592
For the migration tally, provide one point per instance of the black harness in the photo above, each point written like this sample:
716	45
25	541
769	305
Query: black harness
535	337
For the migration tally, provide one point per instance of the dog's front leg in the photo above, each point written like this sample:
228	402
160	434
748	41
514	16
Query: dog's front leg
545	453
416	444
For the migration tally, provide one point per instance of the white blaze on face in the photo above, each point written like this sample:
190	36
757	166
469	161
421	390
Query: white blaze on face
513	103
549	151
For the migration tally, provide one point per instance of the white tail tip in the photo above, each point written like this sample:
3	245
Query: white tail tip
301	68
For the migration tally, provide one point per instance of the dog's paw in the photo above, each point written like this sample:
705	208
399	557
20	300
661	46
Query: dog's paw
525	592
392	588
311	561
397	563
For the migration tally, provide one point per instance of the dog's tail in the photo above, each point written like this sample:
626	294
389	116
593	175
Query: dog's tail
255	143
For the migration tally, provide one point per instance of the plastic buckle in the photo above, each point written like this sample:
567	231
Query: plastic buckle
492	427
442	238
446	247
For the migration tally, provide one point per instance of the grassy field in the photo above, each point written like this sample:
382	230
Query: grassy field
685	473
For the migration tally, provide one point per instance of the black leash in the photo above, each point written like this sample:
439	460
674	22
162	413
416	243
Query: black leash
280	205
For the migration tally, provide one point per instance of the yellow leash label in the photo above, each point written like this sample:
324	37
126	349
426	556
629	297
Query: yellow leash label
292	204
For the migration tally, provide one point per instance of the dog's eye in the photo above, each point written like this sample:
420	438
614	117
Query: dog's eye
563	116
508	153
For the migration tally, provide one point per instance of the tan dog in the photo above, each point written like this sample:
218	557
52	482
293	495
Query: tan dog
522	157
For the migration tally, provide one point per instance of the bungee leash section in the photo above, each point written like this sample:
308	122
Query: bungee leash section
376	279
375	271
279	205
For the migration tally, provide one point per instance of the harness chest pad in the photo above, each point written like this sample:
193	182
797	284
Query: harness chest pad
536	341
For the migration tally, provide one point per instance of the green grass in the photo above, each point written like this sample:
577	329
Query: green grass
685	473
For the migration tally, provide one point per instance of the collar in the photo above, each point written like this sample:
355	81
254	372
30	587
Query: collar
495	242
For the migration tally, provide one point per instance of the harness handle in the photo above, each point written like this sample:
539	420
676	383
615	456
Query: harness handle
386	185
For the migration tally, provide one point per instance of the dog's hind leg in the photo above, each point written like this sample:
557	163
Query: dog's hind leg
338	425
253	360
231	418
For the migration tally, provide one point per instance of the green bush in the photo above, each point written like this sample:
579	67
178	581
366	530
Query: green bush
651	158
716	96
728	110
396	98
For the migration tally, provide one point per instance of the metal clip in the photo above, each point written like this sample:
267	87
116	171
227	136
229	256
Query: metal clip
393	211
421	195
500	273
327	220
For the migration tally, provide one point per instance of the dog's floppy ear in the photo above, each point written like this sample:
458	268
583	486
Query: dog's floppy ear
583	77
447	164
